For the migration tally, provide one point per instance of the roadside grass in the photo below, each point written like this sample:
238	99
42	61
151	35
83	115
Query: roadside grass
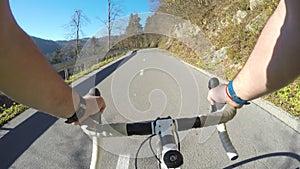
288	98
8	113
91	69
11	112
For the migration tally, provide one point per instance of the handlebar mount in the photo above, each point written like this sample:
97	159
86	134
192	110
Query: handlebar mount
166	129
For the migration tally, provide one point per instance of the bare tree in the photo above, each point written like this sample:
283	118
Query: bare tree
109	22
113	11
77	21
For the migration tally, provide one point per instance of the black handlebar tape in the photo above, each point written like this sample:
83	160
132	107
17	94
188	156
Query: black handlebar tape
226	142
95	92
142	128
223	135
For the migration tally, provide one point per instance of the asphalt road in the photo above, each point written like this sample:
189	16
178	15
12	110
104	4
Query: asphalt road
149	84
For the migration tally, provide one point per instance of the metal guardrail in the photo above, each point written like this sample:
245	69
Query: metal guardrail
83	63
70	64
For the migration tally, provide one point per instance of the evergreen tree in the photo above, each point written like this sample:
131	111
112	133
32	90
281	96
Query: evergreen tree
134	27
57	57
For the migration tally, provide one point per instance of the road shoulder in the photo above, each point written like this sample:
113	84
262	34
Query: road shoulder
283	116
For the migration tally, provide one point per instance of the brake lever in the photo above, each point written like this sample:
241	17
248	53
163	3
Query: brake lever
95	92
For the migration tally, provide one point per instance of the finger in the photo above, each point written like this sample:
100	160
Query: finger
102	110
102	105
212	102
76	123
83	118
209	98
91	97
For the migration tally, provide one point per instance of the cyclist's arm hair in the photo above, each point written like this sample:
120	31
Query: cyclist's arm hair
26	75
275	60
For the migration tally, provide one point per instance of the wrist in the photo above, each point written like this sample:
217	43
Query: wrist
230	101
233	98
79	111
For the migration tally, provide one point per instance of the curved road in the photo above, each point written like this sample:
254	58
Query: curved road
143	86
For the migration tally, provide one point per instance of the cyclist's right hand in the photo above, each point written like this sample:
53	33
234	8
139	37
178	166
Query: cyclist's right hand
218	95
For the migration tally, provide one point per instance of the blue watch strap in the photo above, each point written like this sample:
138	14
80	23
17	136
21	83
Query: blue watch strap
235	98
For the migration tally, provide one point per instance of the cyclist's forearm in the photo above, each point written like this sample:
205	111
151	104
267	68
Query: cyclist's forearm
26	75
275	59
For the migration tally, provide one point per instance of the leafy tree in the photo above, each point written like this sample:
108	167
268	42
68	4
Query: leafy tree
134	27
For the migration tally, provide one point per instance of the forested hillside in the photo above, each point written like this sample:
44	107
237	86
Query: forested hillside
232	27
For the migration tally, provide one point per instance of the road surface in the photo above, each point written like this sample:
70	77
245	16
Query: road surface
140	87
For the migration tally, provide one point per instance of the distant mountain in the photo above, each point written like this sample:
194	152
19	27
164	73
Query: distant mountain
62	50
64	43
47	47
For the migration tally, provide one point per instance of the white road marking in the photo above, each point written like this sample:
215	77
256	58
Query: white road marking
123	162
141	72
96	157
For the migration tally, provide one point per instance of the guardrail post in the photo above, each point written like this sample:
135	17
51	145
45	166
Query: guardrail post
66	74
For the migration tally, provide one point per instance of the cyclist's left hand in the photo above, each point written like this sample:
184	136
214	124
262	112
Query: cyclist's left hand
94	105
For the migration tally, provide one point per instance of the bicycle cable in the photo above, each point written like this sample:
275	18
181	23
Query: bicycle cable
155	155
136	155
177	136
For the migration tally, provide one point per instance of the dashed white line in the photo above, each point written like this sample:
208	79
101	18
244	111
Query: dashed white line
123	162
141	72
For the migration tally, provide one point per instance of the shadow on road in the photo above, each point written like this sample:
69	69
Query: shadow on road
92	81
20	138
286	154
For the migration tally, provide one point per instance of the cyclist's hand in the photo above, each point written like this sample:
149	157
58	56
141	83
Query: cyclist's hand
94	105
218	95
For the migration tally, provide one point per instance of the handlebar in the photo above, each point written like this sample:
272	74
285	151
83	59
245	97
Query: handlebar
167	127
147	127
164	127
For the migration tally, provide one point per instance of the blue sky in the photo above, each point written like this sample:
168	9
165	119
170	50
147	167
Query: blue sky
48	19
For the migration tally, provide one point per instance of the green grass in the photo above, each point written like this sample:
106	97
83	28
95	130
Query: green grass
288	98
11	112
8	113
91	69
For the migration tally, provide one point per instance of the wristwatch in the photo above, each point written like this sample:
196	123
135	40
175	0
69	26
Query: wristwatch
232	95
81	109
